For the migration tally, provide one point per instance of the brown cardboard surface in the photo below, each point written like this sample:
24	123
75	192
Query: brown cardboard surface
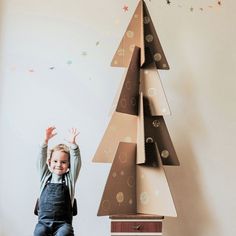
137	141
132	37
129	96
156	131
119	196
140	133
152	89
121	128
141	33
153	193
118	92
153	48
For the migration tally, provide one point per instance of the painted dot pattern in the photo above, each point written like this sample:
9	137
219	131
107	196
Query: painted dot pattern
149	38
149	140
131	181
156	123
130	34
165	154
123	157
120	197
146	20
144	198
157	57
106	205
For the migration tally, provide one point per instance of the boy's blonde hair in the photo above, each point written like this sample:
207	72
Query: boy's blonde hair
60	147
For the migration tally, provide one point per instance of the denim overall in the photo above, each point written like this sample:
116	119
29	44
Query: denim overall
55	211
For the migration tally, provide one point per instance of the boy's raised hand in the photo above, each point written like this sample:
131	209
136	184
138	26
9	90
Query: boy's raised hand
73	133
49	133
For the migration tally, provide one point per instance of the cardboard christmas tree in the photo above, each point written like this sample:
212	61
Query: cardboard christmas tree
137	141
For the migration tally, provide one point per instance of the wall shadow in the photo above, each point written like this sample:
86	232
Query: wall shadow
2	231
1	48
186	181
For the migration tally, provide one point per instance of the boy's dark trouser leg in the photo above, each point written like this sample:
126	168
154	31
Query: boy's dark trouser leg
65	230
41	230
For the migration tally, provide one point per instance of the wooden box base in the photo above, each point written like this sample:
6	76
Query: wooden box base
139	224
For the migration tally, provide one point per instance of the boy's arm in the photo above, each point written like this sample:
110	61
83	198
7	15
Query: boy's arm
42	166
75	162
42	159
75	158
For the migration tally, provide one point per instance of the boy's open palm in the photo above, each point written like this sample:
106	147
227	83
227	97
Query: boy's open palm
73	133
50	133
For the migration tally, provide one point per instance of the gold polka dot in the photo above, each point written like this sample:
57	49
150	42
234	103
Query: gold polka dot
130	201
120	197
165	154
122	173
152	92
149	38
157	57
131	181
156	123
130	34
144	198
146	20
121	52
114	174
149	140
123	157
106	205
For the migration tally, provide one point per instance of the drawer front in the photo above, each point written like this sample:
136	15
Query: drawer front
139	226
136	234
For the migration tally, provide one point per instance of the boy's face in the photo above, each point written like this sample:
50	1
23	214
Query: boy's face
59	162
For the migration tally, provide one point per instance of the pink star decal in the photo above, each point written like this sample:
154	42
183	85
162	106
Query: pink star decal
125	8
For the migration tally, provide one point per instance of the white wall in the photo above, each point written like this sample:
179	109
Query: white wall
200	87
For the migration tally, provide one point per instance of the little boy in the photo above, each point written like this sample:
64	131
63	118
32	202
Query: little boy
58	176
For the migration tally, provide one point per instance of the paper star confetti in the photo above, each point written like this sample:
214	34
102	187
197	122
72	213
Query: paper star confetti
202	7
125	8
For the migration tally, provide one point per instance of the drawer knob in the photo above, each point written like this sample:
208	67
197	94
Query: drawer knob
136	227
